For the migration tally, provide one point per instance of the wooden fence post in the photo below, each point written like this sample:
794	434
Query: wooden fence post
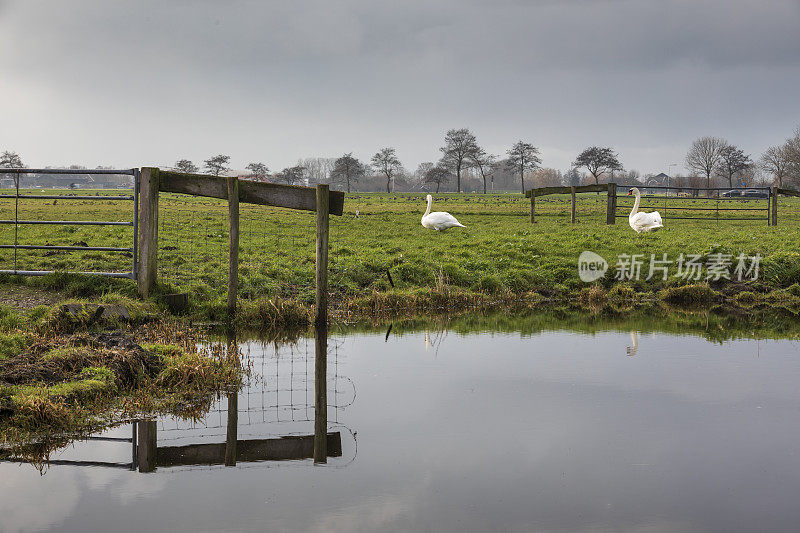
774	206
232	433
572	213
611	207
233	244
533	206
147	448
321	324
148	230
323	204
321	393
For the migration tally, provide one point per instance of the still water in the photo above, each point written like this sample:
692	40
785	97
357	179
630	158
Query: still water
556	431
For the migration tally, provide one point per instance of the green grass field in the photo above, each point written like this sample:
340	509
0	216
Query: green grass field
498	255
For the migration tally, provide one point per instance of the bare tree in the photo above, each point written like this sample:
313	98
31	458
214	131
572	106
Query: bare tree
573	177
546	177
423	169
732	162
437	174
597	161
484	163
792	148
348	169
218	164
186	166
521	157
291	175
11	160
386	163
318	169
776	161
258	171
705	156
459	147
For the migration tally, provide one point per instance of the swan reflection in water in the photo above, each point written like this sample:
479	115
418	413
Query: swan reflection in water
634	348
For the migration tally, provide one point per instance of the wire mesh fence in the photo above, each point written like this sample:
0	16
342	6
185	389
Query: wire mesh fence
276	248
277	251
278	399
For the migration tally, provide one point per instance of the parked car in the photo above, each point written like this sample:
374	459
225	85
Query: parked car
731	194
755	193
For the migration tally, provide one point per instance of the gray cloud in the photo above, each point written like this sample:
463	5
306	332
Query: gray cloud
280	80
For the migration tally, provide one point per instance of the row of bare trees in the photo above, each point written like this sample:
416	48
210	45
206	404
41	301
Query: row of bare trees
464	161
713	157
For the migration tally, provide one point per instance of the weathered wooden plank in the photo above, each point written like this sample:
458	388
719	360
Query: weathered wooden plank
291	447
543	191
251	192
291	196
788	192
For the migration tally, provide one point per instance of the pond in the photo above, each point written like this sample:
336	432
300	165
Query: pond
435	430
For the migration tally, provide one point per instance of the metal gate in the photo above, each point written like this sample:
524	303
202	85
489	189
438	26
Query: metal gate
719	204
16	222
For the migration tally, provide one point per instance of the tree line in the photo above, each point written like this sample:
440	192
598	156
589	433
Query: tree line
464	166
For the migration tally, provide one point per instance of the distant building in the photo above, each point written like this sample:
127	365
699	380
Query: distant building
67	181
659	180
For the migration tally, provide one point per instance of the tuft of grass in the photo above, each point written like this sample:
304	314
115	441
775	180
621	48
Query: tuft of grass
621	293
696	293
267	313
746	299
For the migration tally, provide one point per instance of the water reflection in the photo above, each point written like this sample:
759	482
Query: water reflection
510	430
152	448
633	349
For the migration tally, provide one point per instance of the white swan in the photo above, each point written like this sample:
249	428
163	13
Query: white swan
439	220
643	221
634	348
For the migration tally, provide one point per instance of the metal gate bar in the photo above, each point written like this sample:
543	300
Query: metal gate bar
667	198
16	222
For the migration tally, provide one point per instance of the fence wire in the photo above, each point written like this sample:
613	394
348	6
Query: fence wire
277	248
277	401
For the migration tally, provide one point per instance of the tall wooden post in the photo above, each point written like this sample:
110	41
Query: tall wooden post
321	325
233	244
533	206
323	205
774	206
148	230
321	393
611	204
572	212
232	430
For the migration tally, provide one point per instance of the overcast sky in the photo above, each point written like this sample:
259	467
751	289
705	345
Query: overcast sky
132	83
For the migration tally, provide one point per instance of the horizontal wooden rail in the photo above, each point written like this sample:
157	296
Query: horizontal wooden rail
251	192
542	191
789	192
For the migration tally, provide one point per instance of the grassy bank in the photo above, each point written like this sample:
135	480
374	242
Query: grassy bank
71	369
498	259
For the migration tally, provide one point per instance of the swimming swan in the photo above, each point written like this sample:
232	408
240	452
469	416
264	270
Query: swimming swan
439	220
643	221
